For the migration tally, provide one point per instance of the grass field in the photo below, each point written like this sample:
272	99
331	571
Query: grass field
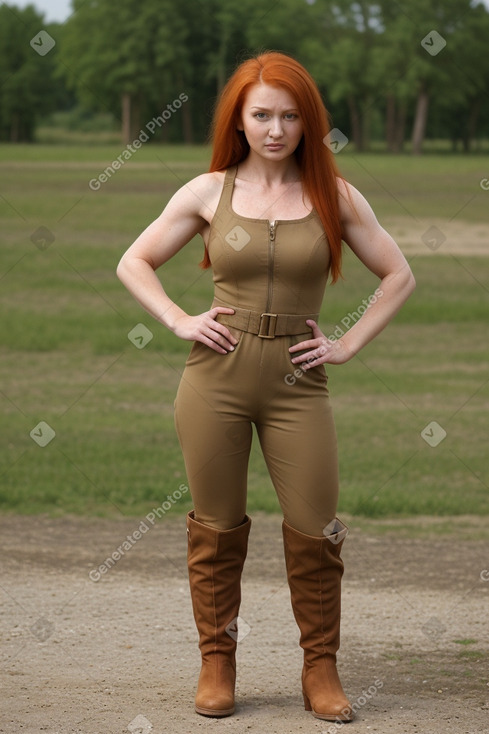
67	360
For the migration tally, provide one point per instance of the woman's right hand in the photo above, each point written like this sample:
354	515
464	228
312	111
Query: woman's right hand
204	328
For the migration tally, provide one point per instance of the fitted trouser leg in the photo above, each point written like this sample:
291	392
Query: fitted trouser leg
216	441
300	450
216	453
218	399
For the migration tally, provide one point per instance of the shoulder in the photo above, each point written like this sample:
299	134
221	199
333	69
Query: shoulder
353	205
202	193
207	182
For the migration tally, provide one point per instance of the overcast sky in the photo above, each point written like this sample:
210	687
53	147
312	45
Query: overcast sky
60	10
54	10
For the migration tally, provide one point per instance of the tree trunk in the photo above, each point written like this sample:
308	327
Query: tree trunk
356	128
400	127
395	124
186	119
188	134
136	116
390	123
224	33
131	113
15	128
471	129
420	119
126	118
365	124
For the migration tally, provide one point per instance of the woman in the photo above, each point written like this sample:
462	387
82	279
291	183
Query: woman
272	212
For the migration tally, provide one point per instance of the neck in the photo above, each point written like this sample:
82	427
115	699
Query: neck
269	173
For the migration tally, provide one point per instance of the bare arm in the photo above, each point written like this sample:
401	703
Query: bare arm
182	219
380	254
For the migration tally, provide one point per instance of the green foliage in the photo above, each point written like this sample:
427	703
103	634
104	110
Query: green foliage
366	56
106	54
26	86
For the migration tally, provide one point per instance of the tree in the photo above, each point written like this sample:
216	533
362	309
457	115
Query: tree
129	55
461	110
420	53
27	87
134	59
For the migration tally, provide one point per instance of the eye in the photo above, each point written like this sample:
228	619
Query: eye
291	116
260	115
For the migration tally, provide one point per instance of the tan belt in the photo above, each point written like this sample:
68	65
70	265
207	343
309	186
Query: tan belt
266	325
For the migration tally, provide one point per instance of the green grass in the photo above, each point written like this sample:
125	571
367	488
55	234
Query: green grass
66	358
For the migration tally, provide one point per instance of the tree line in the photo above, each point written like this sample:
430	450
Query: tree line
392	71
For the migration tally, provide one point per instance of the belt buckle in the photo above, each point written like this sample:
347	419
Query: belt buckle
267	325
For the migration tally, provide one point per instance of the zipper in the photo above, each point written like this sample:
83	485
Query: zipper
271	252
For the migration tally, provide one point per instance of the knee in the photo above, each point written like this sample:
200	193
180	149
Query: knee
315	527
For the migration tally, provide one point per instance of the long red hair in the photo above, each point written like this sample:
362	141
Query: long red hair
318	168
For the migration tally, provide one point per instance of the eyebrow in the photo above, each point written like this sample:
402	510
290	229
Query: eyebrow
266	109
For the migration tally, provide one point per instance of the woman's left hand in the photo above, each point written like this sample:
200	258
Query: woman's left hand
321	350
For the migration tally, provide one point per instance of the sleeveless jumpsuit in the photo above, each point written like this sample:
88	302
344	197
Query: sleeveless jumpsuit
280	270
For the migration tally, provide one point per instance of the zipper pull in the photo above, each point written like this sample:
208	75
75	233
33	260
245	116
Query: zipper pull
272	231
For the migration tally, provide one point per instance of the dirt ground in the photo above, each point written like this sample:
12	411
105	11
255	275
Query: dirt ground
446	237
87	652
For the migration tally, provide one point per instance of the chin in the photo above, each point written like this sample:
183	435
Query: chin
283	153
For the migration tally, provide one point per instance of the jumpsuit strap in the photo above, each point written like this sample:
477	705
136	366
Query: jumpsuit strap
227	189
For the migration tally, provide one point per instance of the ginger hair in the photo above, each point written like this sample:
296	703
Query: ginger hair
319	172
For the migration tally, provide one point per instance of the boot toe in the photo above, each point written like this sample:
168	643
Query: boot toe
333	713
215	705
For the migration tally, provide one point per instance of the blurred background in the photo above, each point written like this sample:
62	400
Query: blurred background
116	66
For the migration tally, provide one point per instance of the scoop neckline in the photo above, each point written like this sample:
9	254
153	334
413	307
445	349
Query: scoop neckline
254	219
269	221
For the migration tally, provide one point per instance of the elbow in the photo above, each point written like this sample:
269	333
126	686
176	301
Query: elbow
121	269
408	286
411	283
401	280
406	282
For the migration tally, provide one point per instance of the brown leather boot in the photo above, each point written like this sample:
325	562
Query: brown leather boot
314	570
215	563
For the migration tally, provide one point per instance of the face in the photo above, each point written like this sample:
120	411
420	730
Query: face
271	122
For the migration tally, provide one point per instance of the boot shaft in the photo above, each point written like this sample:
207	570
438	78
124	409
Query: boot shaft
215	564
314	571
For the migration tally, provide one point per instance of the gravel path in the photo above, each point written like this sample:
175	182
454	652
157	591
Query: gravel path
119	654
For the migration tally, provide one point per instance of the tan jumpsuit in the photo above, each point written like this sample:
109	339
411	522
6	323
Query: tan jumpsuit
279	269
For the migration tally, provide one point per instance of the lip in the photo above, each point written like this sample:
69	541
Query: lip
275	146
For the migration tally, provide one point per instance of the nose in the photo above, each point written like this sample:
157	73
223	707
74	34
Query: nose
276	130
